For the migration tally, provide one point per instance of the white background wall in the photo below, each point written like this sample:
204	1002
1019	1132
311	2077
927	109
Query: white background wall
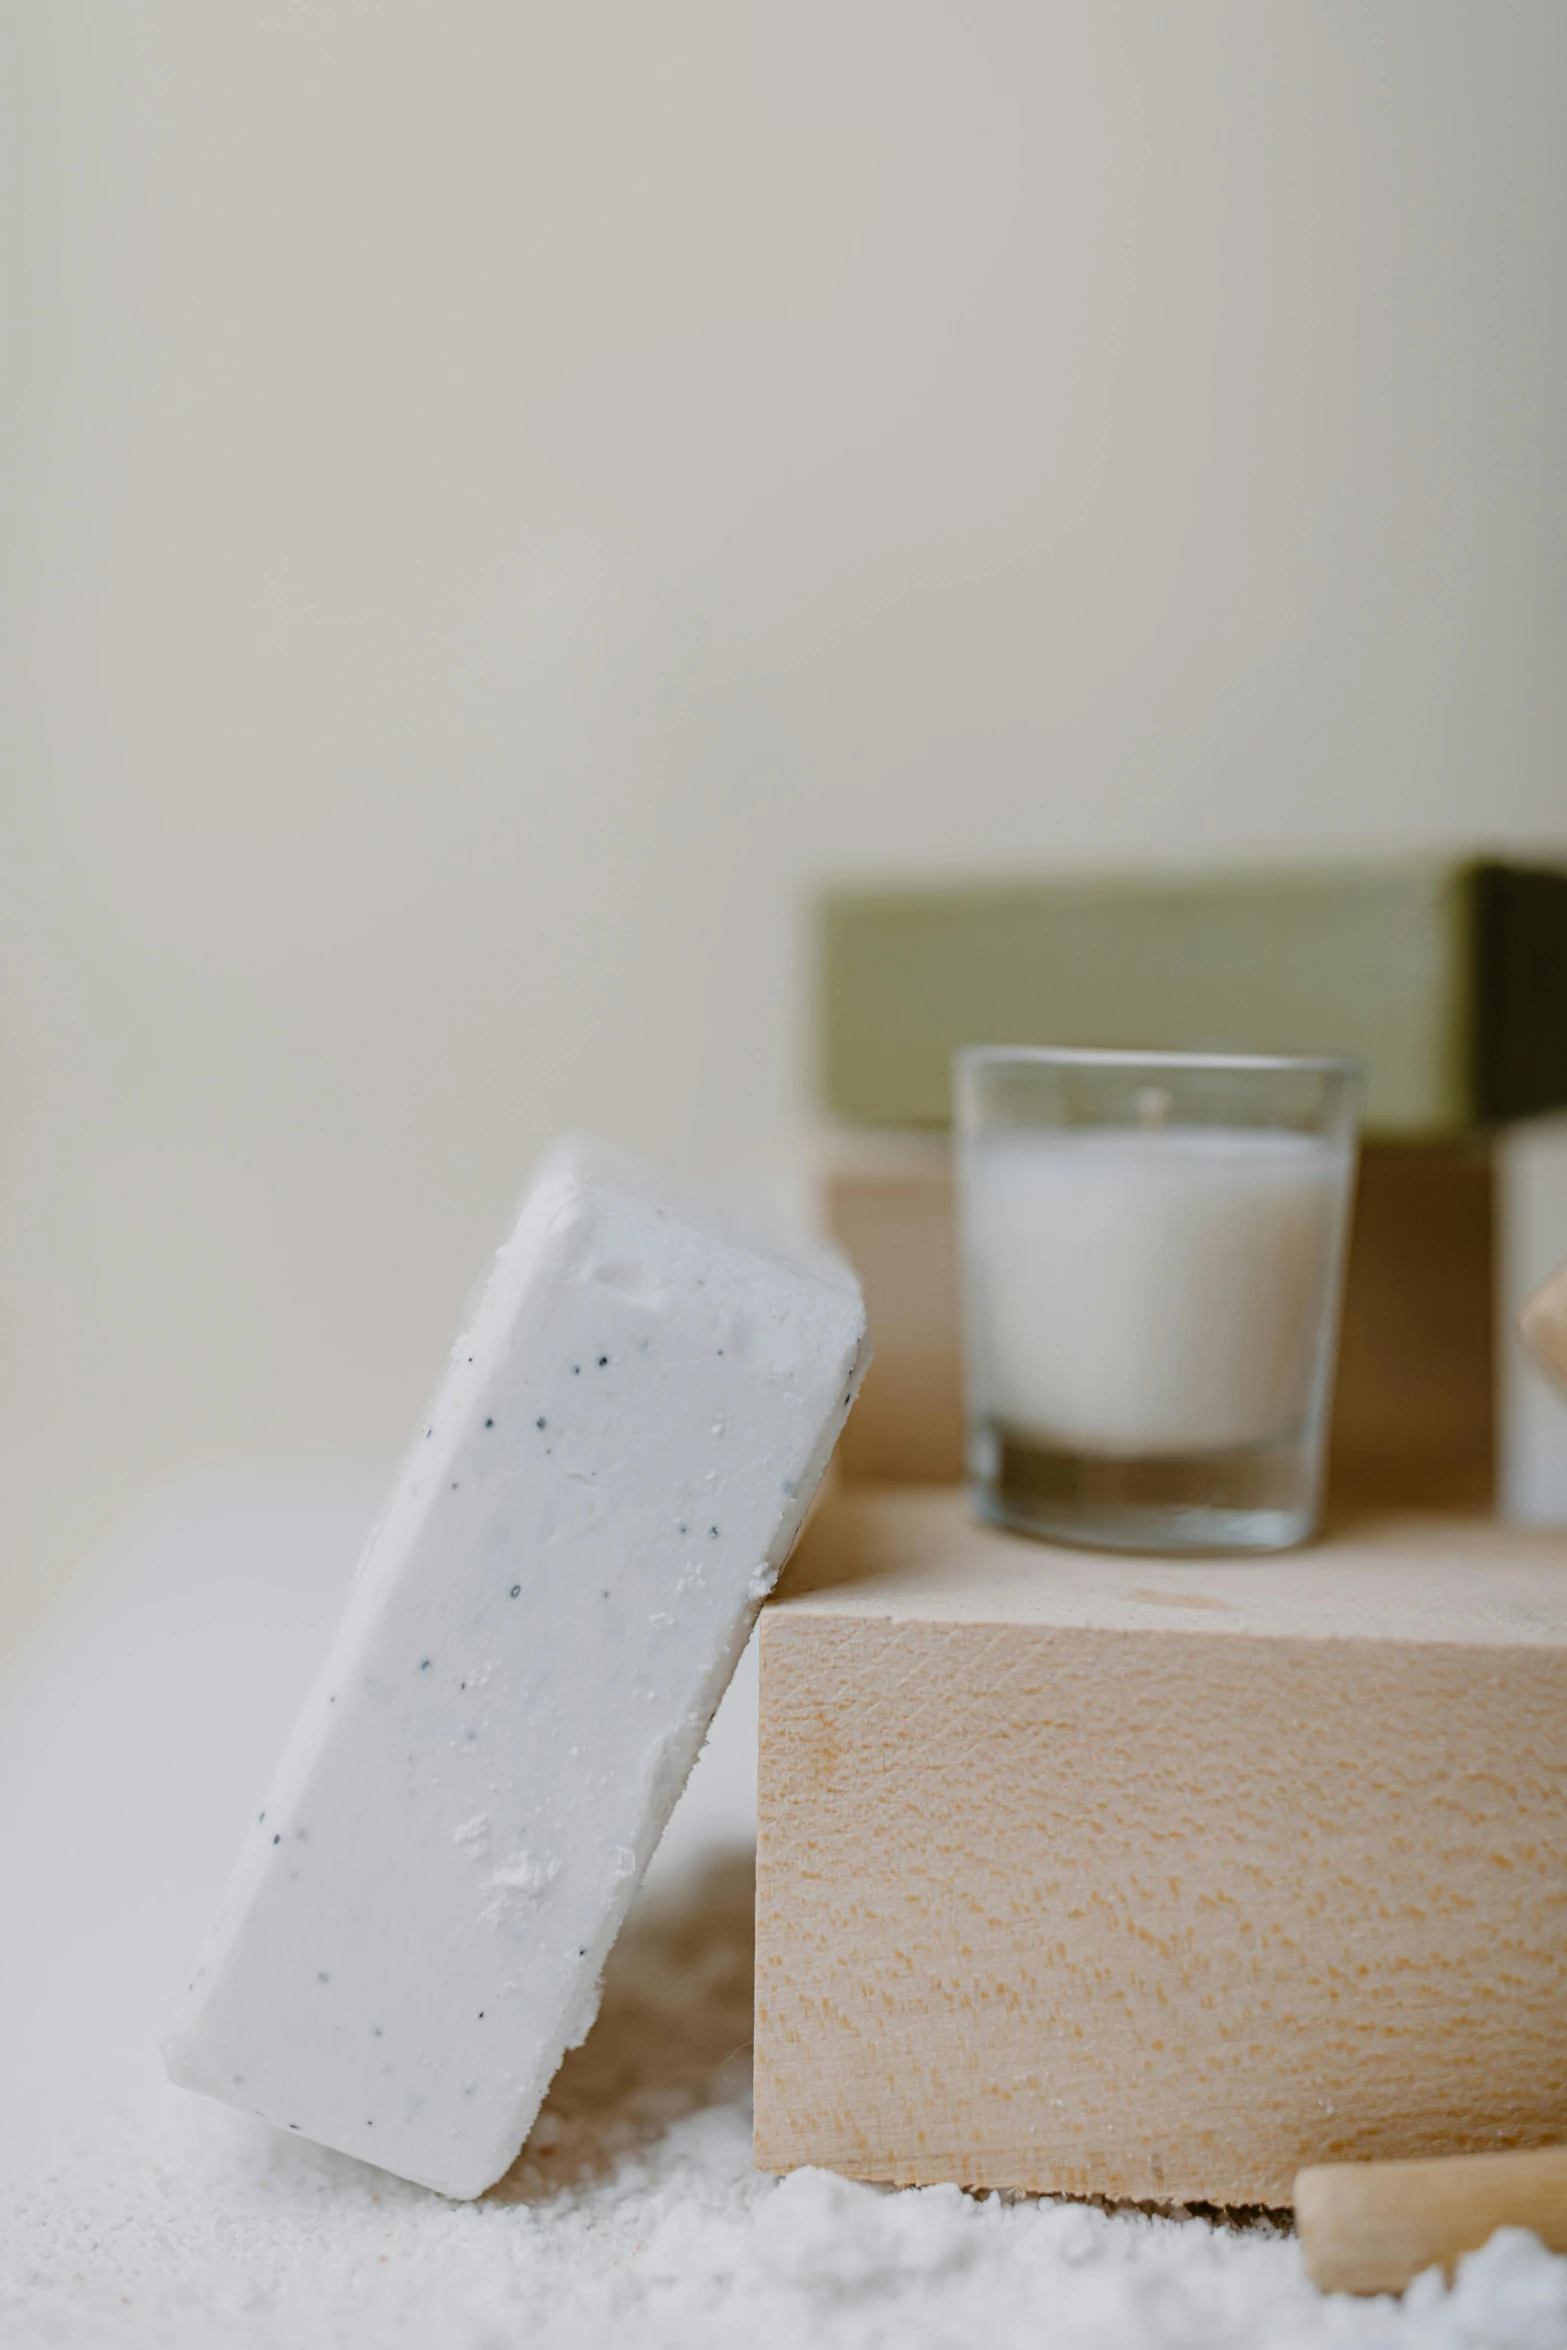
497	496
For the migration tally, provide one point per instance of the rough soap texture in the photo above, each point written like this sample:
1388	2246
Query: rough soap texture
612	1473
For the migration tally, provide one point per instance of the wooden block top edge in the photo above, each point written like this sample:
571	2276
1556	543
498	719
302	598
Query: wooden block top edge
913	1554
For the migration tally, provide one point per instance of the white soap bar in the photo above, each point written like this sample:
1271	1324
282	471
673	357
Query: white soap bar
613	1472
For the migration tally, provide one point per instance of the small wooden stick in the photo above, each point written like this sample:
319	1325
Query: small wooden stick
1371	2227
1543	1324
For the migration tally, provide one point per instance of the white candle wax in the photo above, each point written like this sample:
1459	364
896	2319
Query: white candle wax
1148	1292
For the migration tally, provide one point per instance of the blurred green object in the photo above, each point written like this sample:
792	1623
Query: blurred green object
1446	978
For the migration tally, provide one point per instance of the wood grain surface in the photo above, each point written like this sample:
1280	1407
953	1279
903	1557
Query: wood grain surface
1152	1879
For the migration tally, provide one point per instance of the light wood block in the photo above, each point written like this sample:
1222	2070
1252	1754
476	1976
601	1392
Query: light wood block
1415	1403
1156	1879
1372	2227
893	1215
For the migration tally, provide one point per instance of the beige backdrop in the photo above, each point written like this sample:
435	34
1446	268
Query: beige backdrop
496	495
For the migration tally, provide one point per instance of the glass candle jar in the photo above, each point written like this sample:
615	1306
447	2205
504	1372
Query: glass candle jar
1152	1250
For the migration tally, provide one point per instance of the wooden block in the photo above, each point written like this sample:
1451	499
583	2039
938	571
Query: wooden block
1415	1399
1414	1410
891	1212
1445	977
1373	2227
1156	1879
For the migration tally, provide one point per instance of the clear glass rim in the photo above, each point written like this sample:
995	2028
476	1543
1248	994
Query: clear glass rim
970	1056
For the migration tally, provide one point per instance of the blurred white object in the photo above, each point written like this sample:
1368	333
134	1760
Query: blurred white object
1531	1169
1543	1325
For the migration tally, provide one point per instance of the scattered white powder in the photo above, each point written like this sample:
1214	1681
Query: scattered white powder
135	2217
211	2231
635	2218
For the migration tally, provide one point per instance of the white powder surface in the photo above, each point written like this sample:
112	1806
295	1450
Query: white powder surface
132	2214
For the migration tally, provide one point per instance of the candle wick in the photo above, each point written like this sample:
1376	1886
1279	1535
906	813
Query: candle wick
1153	1107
